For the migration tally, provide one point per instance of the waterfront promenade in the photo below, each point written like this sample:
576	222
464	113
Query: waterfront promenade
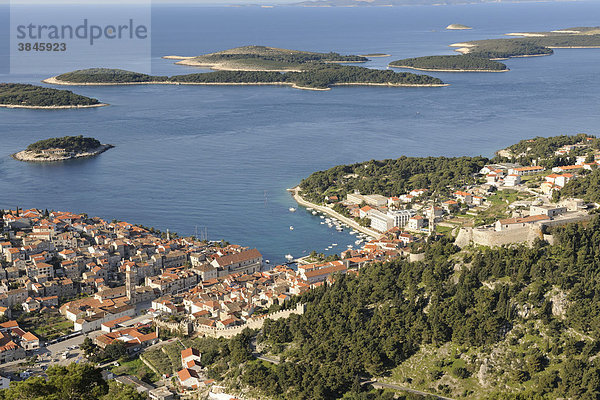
328	210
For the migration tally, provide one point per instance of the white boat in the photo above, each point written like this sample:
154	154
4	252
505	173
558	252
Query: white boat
292	209
334	244
322	223
289	257
322	217
314	213
267	261
339	228
349	246
291	228
309	208
352	233
330	225
359	241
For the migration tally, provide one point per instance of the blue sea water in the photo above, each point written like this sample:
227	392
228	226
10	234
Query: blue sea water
221	157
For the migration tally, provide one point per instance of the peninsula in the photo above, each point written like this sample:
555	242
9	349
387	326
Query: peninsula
18	95
62	149
483	55
318	76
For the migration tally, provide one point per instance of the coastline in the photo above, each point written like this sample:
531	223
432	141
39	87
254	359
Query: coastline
449	70
53	107
295	191
27	156
375	55
54	81
224	67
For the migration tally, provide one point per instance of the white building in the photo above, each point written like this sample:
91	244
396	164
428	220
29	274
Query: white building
401	217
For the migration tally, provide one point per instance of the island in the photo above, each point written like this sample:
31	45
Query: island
264	58
18	95
451	63
375	55
62	149
532	43
318	76
483	55
457	27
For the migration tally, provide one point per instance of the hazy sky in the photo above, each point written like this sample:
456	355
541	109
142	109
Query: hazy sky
187	2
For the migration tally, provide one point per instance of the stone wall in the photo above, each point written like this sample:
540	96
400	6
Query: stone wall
255	323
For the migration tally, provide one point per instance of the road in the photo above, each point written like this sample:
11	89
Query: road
381	385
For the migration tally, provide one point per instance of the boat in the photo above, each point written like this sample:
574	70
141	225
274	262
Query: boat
267	262
314	213
352	233
309	208
358	242
339	228
292	209
334	244
291	228
322	216
289	257
322	223
349	246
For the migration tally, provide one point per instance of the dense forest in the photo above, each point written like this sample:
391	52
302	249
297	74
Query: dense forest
321	76
506	48
273	57
75	382
104	75
455	62
481	300
586	187
76	144
393	177
544	148
38	96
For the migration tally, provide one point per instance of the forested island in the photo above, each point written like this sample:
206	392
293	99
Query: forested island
317	77
264	58
532	43
61	149
483	55
18	95
452	63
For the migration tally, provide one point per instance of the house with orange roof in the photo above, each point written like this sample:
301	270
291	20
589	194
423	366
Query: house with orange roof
189	354
188	378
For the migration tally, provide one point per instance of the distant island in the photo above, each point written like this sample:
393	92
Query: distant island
453	63
18	95
264	58
457	27
376	55
61	149
316	71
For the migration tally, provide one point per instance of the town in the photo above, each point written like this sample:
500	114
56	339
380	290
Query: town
511	203
75	288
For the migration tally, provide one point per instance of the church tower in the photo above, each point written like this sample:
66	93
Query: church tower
131	282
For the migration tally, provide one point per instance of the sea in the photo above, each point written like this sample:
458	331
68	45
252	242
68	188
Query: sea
218	160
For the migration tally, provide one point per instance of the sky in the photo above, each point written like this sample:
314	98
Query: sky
186	2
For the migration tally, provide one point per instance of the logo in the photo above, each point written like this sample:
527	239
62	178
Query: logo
52	39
